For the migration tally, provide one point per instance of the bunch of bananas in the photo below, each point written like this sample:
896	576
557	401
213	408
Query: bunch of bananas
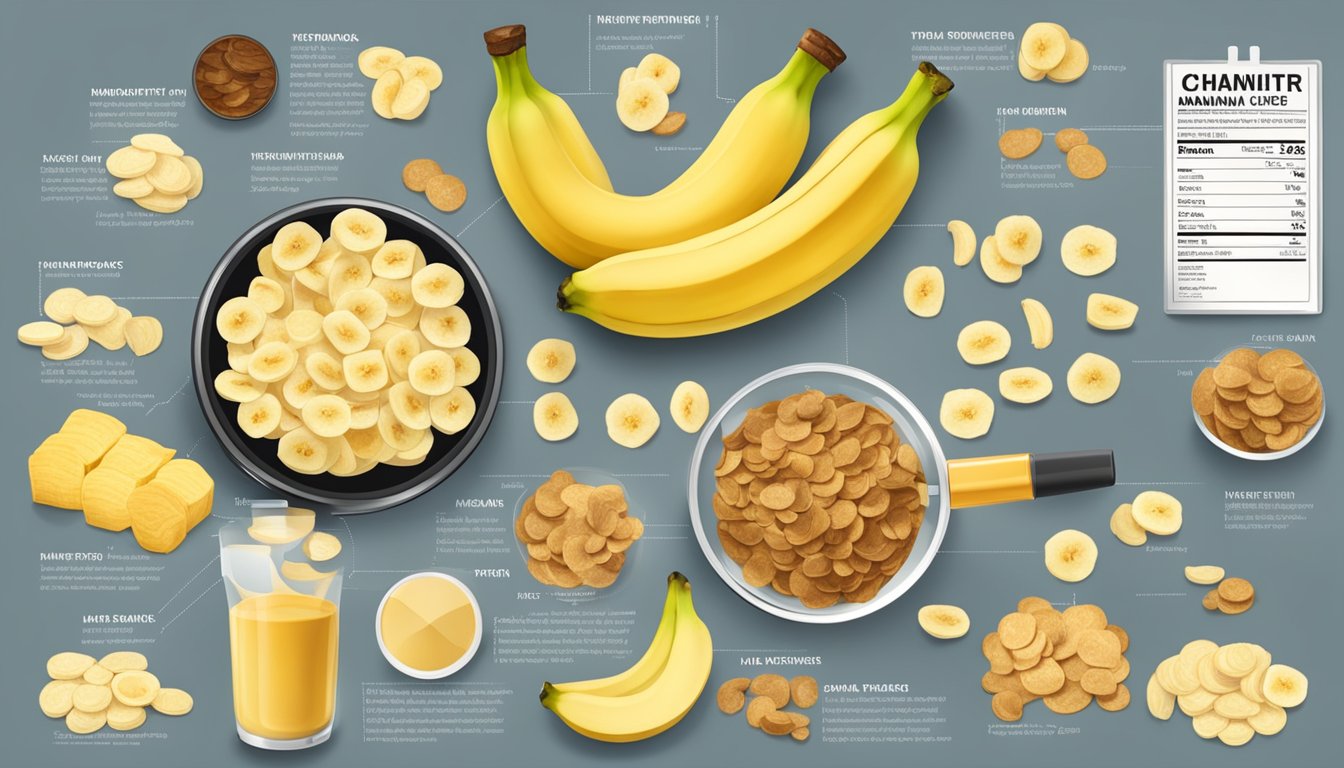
655	693
715	249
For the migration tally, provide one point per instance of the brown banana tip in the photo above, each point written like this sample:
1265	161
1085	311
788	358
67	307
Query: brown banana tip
941	83
822	48
561	302
501	41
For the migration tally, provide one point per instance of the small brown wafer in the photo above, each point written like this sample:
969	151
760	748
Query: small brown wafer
1018	143
758	708
1210	601
1115	701
1235	590
1007	706
446	192
418	172
731	697
1233	609
804	690
1068	138
671	124
776	687
1085	161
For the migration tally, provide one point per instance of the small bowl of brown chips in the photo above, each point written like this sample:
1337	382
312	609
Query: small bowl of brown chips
1259	404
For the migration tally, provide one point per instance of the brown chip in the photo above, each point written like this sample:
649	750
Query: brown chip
777	723
671	124
1121	634
804	690
1074	668
1068	138
1233	609
801	734
1069	699
418	172
1033	604
1017	630
1231	377
731	697
1000	659
1086	162
1243	357
1235	590
1007	706
758	708
1270	363
774	686
548	501
1099	648
1116	700
1098	682
1020	142
1203	392
446	192
576	496
1044	678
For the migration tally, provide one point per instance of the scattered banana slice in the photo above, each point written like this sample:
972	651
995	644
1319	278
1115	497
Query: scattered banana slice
924	291
963	242
944	622
358	230
628	76
1093	378
373	62
402	84
1044	45
60	305
994	266
1039	323
660	70
554	417
1087	250
72	344
260	417
41	333
550	361
411	100
1124	527
984	342
631	420
1204	574
422	69
642	104
1025	385
966	413
1018	239
1110	313
1073	65
689	406
1157	512
1284	686
1027	73
239	320
1070	555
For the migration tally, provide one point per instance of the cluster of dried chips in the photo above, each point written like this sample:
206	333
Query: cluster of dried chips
75	319
771	693
444	190
1259	403
1233	595
1065	659
818	497
113	691
1230	692
235	77
576	534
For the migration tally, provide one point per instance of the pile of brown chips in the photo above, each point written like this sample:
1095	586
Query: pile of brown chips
770	695
235	77
1233	595
444	190
1065	659
576	534
818	498
1258	403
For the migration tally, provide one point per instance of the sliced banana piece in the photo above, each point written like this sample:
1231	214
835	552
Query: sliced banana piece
60	304
411	100
239	320
554	417
453	412
641	104
238	387
631	420
1093	378
984	342
437	286
1124	527
144	334
72	344
1070	555
966	413
259	417
1073	65
945	622
272	361
326	415
924	291
424	70
1044	45
303	452
963	242
42	333
366	372
1087	250
1157	512
384	93
1027	73
1204	574
373	62
689	406
1025	385
358	230
1110	313
1039	323
432	372
1284	686
660	70
446	328
995	267
395	259
1018	239
550	361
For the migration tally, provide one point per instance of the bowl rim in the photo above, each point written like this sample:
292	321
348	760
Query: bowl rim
372	500
197	91
1268	455
894	588
431	674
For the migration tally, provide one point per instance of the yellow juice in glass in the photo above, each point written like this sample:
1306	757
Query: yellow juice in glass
284	664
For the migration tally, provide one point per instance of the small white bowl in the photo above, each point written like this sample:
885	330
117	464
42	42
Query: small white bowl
1268	455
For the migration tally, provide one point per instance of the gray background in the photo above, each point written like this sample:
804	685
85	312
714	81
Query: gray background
54	51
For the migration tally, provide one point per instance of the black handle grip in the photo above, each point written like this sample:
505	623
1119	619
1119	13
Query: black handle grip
1056	473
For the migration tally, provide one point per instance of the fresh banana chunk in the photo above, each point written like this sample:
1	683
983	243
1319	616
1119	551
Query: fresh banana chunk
1110	313
374	61
1124	527
554	417
1157	512
550	361
689	406
468	366
1093	378
660	70
945	622
963	242
631	420
325	370
1073	65
924	291
966	413
995	267
1044	45
1018	239
641	104
1284	686
366	304
1025	385
1087	250
984	342
421	69
1070	555
1039	323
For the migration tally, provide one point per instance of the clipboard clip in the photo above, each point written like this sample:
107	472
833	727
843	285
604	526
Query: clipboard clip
1253	55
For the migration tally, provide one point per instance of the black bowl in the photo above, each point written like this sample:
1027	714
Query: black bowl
384	486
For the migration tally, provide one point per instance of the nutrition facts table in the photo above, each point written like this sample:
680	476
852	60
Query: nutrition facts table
1242	187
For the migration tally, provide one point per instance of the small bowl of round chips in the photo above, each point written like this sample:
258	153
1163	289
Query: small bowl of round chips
1259	404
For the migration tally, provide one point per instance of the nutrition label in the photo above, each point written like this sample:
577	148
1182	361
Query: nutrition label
1243	187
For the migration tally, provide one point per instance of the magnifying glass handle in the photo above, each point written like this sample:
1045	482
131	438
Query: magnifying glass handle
1025	476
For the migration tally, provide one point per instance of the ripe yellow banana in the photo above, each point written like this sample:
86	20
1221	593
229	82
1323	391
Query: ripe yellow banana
650	665
660	704
769	261
534	142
